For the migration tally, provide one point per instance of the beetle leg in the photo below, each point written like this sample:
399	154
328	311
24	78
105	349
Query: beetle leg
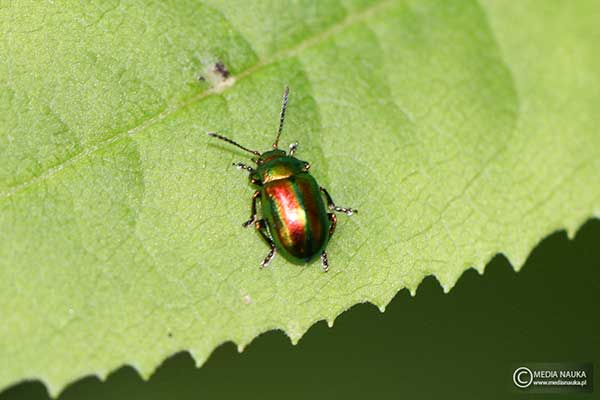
252	219
241	166
293	148
332	206
262	229
325	262
333	220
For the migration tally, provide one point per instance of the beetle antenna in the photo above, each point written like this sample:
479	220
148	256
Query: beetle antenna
216	135
286	91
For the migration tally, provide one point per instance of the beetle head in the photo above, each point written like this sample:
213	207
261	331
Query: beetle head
270	155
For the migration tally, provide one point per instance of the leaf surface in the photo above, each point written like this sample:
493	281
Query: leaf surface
458	129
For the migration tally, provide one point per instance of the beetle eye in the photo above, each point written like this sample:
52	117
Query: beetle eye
306	166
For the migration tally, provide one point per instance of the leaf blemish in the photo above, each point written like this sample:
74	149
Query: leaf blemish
217	76
221	70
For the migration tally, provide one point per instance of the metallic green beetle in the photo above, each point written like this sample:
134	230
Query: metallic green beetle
294	219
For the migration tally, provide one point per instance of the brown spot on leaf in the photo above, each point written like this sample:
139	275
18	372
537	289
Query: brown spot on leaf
217	76
221	70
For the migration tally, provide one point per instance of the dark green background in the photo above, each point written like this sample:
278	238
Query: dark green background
459	345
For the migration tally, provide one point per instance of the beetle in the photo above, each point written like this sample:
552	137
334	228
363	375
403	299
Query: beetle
295	220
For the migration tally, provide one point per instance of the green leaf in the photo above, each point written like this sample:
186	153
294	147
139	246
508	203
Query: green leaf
458	129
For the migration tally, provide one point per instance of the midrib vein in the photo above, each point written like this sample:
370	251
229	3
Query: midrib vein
287	53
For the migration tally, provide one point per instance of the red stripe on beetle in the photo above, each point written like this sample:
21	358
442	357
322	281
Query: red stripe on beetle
290	218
